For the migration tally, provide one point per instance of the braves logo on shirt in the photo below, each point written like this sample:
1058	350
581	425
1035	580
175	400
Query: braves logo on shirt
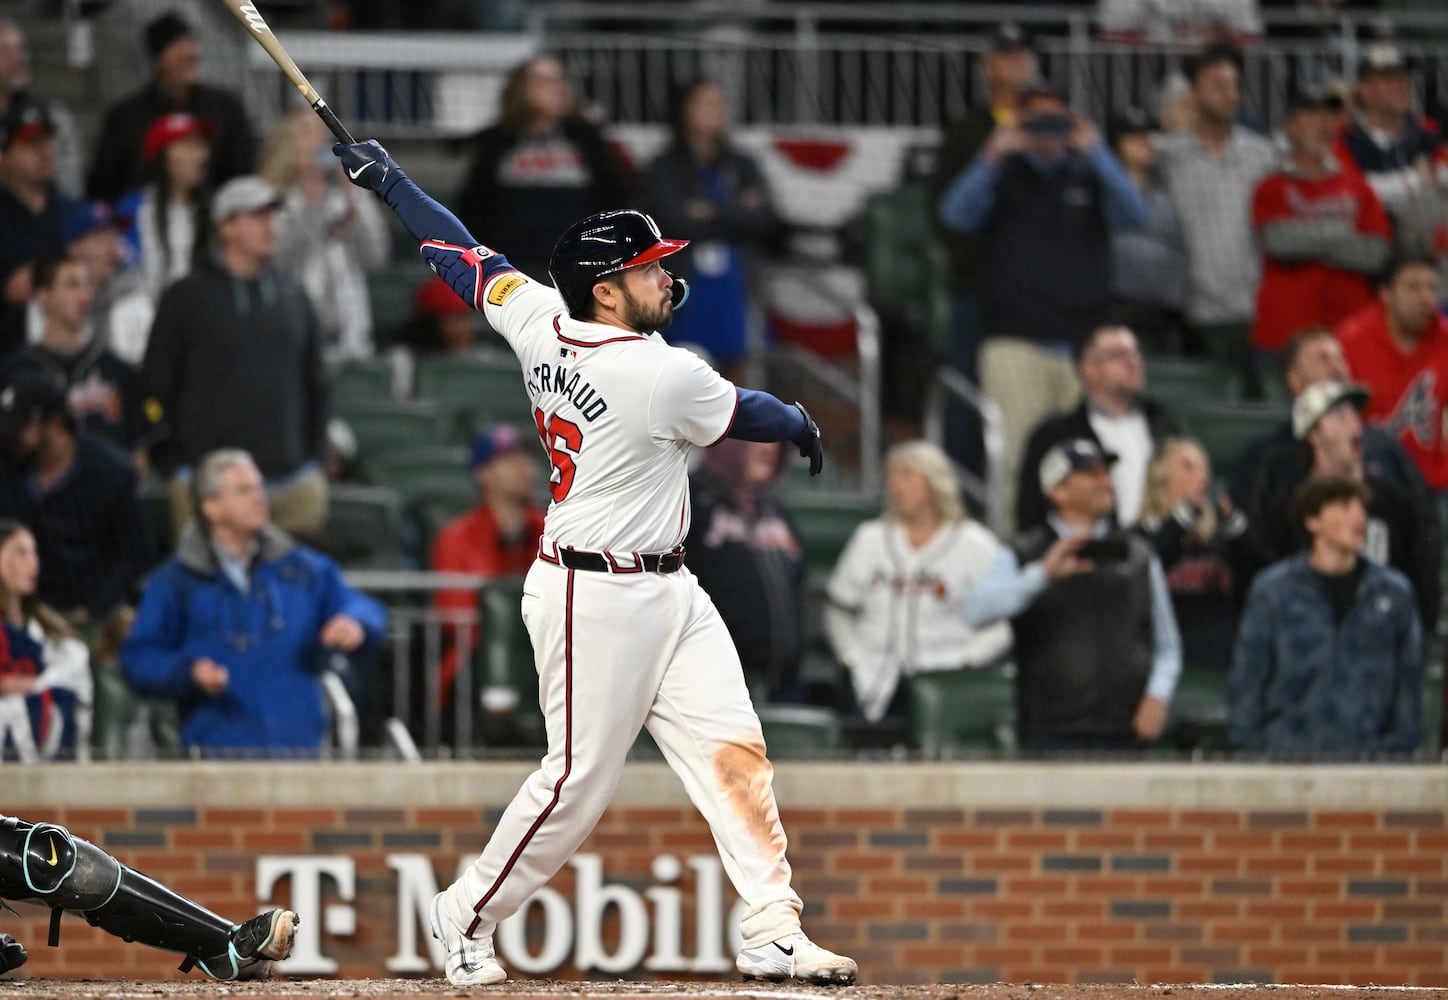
1417	411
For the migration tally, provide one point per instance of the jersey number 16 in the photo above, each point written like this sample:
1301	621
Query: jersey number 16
562	439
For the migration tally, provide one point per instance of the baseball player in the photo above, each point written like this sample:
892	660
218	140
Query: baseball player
45	863
622	635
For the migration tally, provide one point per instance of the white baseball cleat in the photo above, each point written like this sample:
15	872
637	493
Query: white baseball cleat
470	961
798	958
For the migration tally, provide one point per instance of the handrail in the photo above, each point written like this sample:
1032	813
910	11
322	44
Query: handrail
948	384
344	715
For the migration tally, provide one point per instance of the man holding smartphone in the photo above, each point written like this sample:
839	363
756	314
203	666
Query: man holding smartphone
1096	644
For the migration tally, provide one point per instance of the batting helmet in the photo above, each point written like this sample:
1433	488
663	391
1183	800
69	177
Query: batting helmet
604	244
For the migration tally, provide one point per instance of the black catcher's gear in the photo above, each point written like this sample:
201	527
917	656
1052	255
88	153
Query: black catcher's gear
604	244
45	863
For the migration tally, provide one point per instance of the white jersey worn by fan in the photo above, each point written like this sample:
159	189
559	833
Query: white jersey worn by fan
626	648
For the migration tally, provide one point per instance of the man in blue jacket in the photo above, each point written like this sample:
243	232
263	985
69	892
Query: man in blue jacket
234	625
1329	653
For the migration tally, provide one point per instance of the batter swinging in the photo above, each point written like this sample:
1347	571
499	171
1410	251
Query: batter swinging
622	635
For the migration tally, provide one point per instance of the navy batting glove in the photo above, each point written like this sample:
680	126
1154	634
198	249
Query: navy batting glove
367	164
808	442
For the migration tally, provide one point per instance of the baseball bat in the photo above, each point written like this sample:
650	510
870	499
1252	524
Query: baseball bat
248	15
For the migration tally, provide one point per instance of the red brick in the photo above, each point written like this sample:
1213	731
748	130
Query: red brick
1432	840
1276	864
1175	887
1005	955
967	840
898	886
1089	909
1322	888
203	839
325	819
1239	933
1070	956
1173	841
1382	842
1345	864
1312	933
95	817
1315	841
1103	840
863	909
1101	885
232	817
292	841
450	817
1139	955
1034	933
1209	909
1139	818
1268	956
1209	864
1347	909
1036	886
867	817
923	955
1401	956
1001	863
1036	840
1276	910
999	909
1414	864
1360	955
1355	820
1117	933
1243	842
851	861
934	909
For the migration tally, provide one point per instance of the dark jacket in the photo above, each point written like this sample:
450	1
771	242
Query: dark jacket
94	539
963	142
236	363
524	216
1302	683
1083	647
266	637
118	166
103	392
24	237
751	564
1032	506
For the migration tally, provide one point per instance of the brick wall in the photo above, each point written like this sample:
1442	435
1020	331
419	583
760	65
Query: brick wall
1281	888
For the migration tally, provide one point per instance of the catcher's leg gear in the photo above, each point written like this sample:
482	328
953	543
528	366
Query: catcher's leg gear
44	862
12	954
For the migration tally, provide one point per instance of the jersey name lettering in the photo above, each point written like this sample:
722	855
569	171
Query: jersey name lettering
555	378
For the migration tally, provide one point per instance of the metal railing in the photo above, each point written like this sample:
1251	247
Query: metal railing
989	491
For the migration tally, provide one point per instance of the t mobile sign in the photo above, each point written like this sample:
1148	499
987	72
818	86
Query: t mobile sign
650	923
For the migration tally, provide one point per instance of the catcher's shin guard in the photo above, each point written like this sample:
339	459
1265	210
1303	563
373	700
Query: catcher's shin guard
12	954
44	862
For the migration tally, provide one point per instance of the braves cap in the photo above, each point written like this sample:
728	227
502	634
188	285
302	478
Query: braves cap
27	397
243	194
1075	455
487	446
173	128
1313	403
25	119
86	217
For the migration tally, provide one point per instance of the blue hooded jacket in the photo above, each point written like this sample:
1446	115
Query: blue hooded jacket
267	638
1302	684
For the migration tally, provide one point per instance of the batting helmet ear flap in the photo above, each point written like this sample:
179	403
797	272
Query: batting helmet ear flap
680	291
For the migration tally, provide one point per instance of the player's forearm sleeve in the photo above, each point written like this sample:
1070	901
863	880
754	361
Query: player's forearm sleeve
762	417
424	218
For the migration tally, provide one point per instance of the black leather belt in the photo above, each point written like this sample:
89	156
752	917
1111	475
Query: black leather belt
600	562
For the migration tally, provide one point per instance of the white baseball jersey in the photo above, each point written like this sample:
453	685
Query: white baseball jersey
618	411
896	609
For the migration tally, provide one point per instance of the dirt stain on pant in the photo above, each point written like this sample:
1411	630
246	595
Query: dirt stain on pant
747	777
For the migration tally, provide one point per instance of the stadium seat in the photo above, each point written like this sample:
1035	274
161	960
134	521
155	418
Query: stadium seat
363	380
971	710
505	660
826	521
905	266
1225	429
1198	720
423	471
799	730
364	526
473	390
390	293
1176	381
393	426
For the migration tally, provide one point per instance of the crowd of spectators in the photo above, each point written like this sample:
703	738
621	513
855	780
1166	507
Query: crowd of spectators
176	321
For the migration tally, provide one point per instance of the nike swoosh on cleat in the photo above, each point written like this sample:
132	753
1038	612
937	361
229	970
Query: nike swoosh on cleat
787	951
354	174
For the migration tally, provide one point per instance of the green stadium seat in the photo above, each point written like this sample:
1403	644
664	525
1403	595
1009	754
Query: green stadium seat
970	711
364	526
127	726
1181	380
905	266
393	426
826	520
1198	719
1225	429
505	658
799	730
423	471
390	293
363	380
430	513
470	390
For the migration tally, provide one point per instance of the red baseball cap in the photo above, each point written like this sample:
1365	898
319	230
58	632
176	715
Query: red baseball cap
436	298
173	128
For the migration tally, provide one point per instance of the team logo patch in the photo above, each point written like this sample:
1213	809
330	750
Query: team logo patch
504	287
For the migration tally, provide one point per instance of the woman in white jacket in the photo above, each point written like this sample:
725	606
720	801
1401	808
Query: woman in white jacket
329	233
894	595
46	690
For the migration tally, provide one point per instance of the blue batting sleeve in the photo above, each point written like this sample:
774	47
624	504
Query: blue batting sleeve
424	218
1166	641
762	417
447	246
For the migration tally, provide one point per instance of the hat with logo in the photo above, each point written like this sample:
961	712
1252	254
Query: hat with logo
27	397
1008	37
1381	57
487	446
243	194
1075	455
173	128
25	119
1128	121
1319	397
86	217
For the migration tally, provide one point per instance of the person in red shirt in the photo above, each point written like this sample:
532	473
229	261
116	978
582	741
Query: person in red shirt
1398	347
497	538
1321	229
